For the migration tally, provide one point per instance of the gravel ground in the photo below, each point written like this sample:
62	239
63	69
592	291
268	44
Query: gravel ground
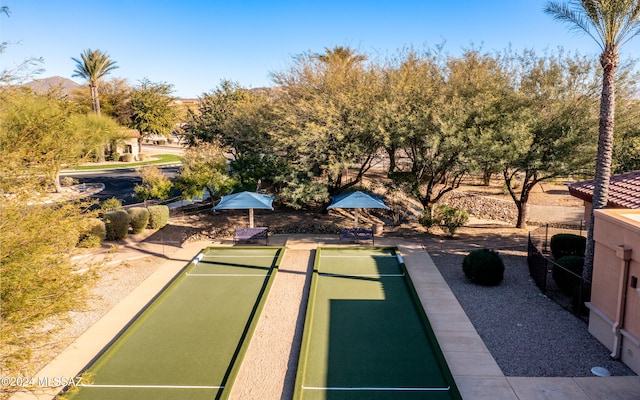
528	334
114	283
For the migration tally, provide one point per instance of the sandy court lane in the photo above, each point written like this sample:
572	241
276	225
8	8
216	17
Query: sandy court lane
269	367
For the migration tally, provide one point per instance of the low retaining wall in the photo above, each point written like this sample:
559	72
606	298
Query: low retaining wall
483	207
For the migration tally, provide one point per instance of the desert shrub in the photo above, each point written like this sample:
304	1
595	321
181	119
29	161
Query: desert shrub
451	218
92	233
139	218
68	181
117	224
155	185
446	217
565	280
427	220
111	204
127	157
484	267
158	216
567	244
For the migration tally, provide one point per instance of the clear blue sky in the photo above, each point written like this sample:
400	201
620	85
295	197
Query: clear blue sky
194	44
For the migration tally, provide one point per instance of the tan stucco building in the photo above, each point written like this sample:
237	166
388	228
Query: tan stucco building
614	317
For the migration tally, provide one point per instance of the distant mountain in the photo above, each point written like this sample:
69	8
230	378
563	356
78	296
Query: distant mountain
55	82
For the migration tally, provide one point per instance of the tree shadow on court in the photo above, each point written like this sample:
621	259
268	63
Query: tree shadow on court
378	339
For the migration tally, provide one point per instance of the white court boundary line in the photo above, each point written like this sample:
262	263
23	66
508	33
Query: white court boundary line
227	275
381	389
232	256
365	275
358	256
149	386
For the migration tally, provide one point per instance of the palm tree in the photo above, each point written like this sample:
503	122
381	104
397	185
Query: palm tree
92	66
340	55
611	23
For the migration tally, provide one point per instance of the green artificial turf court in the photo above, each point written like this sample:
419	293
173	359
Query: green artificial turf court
366	335
188	343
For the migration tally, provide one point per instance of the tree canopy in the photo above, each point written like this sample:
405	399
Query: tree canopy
40	135
611	24
153	111
431	117
92	66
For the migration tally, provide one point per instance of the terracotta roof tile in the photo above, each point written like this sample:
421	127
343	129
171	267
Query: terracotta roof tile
624	190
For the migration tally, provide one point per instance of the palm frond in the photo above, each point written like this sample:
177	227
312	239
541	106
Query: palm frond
578	18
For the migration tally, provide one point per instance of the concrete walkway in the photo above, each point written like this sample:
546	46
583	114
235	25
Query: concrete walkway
475	371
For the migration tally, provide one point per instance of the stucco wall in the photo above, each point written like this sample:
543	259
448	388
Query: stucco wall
616	263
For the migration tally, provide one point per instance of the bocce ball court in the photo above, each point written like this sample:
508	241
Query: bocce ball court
366	335
189	342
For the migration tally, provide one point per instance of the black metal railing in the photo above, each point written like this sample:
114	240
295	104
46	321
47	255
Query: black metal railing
571	294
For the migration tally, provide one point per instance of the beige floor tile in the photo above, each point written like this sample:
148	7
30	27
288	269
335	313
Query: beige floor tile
442	321
548	389
611	388
469	363
485	388
466	341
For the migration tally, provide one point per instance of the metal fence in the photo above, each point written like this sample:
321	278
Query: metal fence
561	285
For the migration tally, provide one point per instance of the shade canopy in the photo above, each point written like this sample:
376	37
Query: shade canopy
357	200
245	201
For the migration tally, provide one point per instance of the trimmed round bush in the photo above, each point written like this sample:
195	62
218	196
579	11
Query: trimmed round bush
139	218
92	234
116	224
111	204
567	244
564	270
126	157
158	216
484	267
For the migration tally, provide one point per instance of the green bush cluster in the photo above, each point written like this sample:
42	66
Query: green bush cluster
111	204
158	216
117	224
565	280
139	218
484	267
92	233
427	220
446	217
567	244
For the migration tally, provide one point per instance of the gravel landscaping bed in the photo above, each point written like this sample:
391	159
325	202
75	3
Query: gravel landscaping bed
527	333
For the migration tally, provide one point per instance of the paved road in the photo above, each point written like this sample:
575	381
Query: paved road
118	183
166	149
556	214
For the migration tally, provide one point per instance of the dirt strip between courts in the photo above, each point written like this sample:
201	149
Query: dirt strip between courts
269	367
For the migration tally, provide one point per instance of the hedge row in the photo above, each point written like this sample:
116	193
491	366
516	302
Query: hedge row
115	224
567	244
